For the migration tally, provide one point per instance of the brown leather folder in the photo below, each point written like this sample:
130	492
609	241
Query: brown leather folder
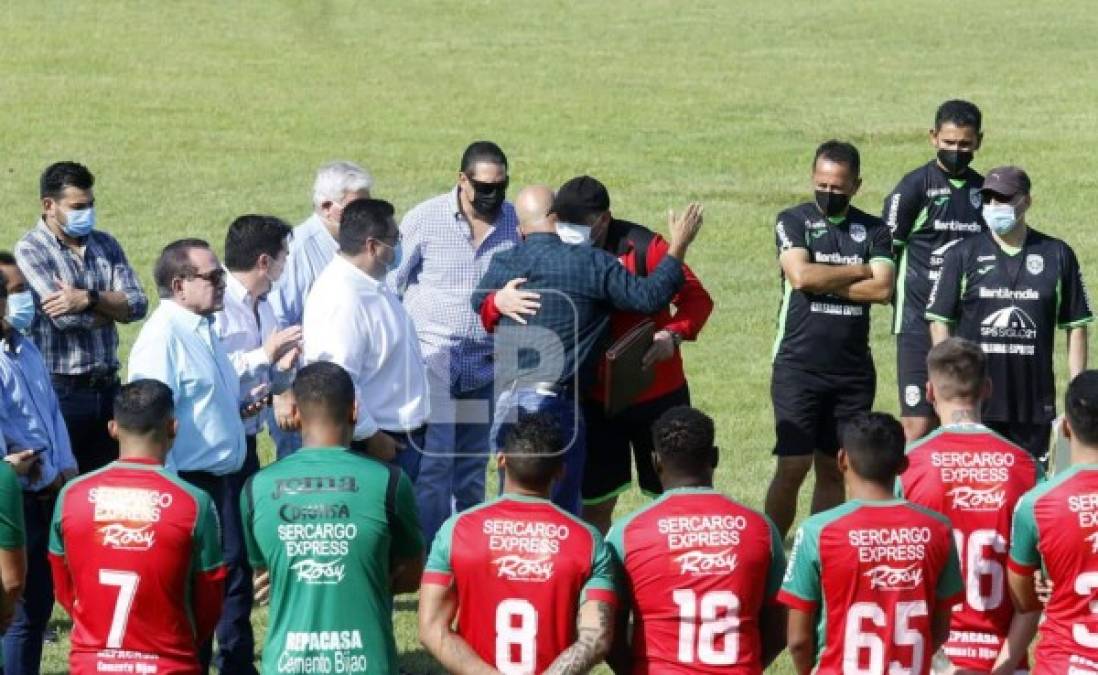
626	377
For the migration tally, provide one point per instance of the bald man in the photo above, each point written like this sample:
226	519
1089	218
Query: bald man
544	359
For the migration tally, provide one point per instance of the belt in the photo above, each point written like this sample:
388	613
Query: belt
100	380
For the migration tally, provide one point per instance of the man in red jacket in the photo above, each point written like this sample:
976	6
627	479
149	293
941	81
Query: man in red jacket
582	211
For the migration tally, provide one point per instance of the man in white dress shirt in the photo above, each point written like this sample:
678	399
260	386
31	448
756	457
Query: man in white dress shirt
312	247
263	357
352	318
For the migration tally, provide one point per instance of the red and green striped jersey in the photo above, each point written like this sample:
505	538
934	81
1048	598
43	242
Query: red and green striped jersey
326	523
974	477
693	562
873	572
1056	525
521	568
136	558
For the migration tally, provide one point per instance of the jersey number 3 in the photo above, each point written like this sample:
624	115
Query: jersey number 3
127	589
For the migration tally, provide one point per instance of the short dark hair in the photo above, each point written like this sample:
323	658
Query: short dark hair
6	258
534	449
683	439
324	389
3	286
840	152
874	444
958	367
174	262
1081	406
252	235
143	406
61	175
481	151
958	113
362	220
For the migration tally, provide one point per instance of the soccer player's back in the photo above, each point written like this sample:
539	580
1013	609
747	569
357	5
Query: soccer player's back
1056	527
974	477
870	583
337	533
516	571
135	552
702	571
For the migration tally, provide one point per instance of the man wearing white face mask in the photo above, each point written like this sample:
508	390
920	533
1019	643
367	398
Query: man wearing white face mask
1008	290
263	357
83	285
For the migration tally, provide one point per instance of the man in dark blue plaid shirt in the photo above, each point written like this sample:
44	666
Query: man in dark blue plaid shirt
82	286
540	364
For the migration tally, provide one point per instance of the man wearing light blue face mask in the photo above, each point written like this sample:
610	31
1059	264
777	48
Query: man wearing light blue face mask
82	285
38	446
1008	289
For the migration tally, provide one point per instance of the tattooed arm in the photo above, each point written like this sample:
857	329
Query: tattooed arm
437	609
595	627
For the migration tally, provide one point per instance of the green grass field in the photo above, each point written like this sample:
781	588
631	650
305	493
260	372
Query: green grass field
193	113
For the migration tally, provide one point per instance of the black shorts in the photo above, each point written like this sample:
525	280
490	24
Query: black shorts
810	408
1033	437
911	374
614	443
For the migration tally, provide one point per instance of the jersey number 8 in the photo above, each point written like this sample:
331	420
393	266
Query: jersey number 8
516	626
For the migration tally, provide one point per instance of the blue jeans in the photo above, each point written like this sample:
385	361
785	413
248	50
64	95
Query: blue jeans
23	641
566	491
451	469
235	641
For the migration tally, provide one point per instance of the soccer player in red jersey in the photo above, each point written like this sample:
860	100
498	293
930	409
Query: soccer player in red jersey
702	570
974	477
515	572
870	584
135	553
1056	527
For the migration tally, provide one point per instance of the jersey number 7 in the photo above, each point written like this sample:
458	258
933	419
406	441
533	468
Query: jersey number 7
127	589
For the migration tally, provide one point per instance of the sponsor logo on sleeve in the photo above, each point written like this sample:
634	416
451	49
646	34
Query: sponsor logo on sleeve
912	395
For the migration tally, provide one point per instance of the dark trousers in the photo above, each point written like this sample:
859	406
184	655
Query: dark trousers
214	486
86	412
235	641
409	450
23	641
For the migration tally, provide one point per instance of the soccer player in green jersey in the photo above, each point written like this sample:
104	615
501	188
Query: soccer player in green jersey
338	534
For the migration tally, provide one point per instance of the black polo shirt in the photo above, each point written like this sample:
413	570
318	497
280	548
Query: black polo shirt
1011	305
928	212
827	333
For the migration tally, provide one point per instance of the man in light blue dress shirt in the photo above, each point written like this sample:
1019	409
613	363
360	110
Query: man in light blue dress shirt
448	242
312	247
30	420
178	346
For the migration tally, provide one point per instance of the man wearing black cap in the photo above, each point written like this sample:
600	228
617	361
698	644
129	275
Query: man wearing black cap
543	360
1008	290
582	207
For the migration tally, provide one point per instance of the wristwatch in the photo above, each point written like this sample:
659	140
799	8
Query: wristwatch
675	337
93	298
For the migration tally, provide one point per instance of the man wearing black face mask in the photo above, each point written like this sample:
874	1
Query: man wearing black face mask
835	261
448	243
932	208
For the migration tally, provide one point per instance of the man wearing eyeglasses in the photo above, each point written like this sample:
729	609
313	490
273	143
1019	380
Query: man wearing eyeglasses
1008	289
354	320
178	346
449	241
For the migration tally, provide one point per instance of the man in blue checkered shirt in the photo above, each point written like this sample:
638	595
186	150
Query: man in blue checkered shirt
544	359
447	243
83	286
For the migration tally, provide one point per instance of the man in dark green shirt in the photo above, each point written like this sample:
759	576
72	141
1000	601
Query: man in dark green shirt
13	560
338	534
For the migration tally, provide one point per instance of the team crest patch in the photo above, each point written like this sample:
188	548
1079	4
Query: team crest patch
857	232
1035	263
912	396
976	198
